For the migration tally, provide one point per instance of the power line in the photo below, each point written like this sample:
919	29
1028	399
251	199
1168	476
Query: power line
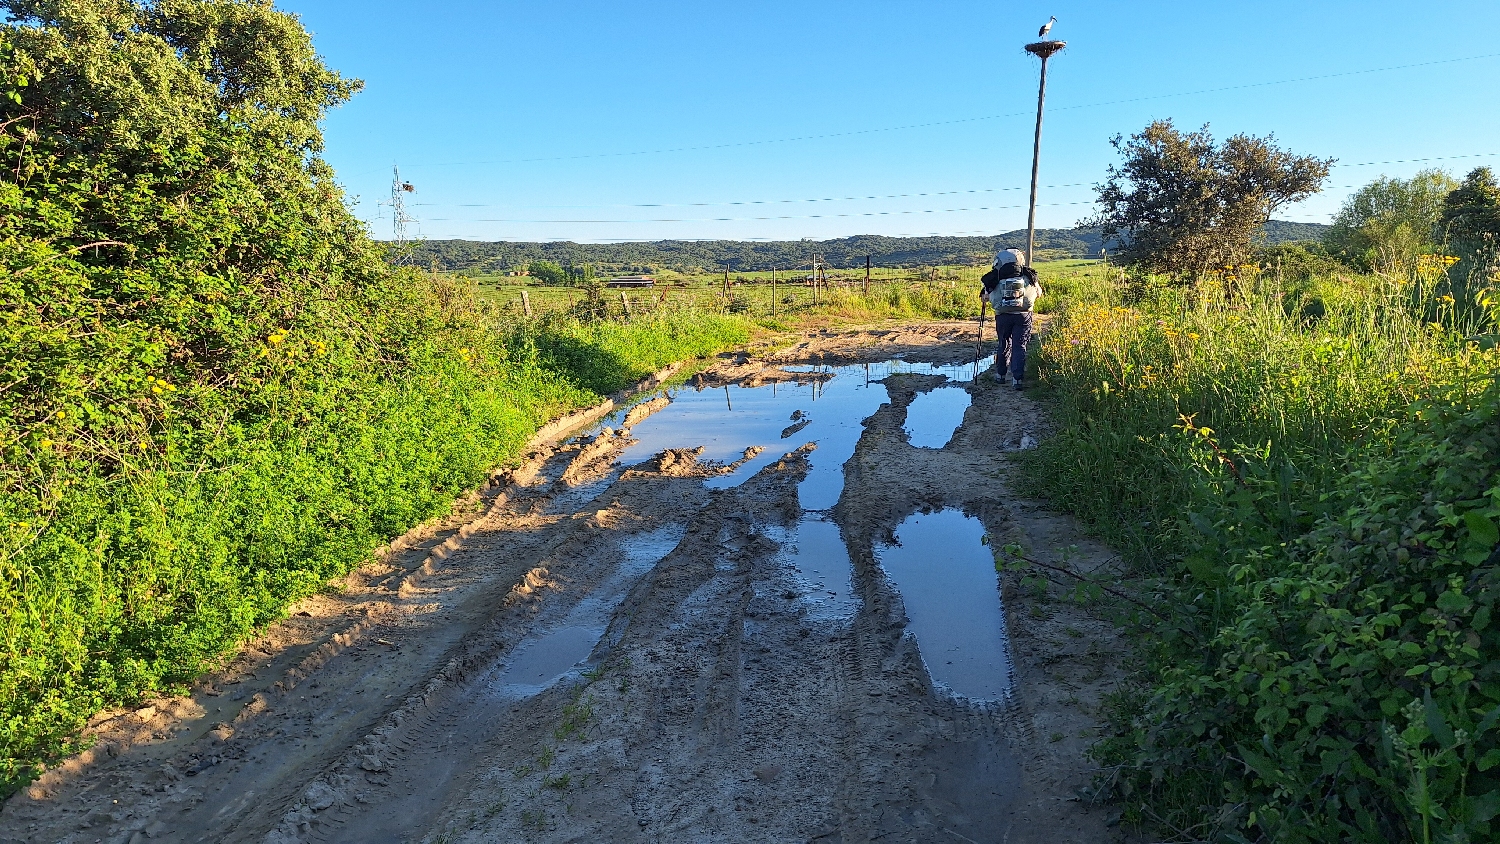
751	202
749	219
956	121
1419	160
743	202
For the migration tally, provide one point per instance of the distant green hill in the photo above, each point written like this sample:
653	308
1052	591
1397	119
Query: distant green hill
743	256
1284	231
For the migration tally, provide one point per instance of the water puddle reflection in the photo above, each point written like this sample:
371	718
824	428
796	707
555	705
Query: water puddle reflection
547	656
946	576
780	417
935	415
816	550
951	590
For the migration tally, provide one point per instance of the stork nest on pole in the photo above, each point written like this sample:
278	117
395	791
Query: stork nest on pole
1045	49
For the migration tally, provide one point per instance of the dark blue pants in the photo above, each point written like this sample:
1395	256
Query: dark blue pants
1013	331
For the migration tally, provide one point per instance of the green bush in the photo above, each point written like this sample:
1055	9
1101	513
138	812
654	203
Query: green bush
217	395
1313	502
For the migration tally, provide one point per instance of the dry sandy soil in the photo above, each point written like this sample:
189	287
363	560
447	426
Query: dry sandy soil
719	704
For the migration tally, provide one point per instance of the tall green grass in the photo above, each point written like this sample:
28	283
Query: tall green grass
1298	375
132	556
1306	479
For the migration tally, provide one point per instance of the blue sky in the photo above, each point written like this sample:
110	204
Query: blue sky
594	121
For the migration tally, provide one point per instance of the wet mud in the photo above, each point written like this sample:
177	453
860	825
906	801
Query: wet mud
757	606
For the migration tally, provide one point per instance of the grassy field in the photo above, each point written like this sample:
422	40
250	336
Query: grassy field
947	292
1303	477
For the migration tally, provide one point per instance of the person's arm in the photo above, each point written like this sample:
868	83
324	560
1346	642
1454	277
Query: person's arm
987	282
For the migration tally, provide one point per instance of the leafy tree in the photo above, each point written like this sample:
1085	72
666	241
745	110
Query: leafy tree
1471	220
1386	225
548	272
1182	205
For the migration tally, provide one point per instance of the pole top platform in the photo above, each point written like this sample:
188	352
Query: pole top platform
1045	49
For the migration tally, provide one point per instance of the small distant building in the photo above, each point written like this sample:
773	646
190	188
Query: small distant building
632	281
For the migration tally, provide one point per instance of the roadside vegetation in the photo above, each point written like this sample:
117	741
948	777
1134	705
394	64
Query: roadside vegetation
939	292
1300	461
217	394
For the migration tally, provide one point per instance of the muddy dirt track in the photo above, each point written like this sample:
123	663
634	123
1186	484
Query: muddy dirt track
687	623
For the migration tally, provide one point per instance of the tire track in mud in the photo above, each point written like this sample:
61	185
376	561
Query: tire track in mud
450	729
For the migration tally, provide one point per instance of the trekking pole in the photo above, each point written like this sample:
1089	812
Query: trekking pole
982	303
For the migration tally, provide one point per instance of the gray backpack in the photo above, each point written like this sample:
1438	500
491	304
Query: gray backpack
1015	294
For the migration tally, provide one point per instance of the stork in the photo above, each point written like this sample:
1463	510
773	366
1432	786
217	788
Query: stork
1046	27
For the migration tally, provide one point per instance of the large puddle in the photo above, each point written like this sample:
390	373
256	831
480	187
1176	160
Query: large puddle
549	655
945	575
947	579
829	411
779	417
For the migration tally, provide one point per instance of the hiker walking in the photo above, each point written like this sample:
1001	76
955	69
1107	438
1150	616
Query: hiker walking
1012	289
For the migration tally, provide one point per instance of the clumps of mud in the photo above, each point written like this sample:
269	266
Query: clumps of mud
588	463
643	410
802	421
687	463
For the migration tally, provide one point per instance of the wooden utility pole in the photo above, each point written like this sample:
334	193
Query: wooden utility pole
773	291
1043	50
726	278
867	276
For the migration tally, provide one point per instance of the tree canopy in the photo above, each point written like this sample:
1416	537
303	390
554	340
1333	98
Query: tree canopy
183	293
547	272
1471	213
1471	222
1387	224
1184	205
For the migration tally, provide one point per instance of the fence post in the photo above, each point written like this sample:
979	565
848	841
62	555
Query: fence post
525	302
625	300
867	276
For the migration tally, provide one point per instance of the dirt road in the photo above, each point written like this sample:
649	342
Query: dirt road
691	624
